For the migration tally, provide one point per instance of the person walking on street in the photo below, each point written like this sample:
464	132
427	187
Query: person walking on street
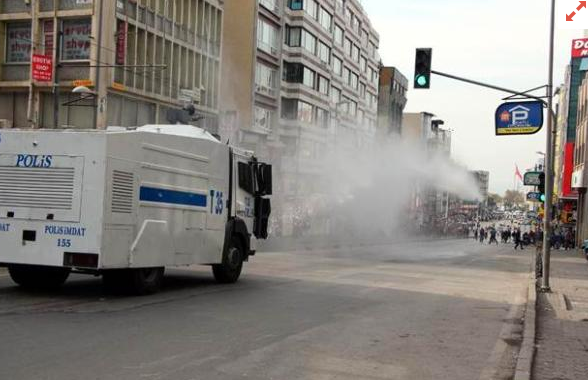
517	239
569	240
493	236
482	235
475	234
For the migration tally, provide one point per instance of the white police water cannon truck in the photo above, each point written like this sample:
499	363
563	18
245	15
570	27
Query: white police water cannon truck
125	204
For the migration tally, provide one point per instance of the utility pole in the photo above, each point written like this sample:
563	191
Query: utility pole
99	108
31	117
56	76
548	162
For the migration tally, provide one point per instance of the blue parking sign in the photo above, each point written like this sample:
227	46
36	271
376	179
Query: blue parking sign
519	118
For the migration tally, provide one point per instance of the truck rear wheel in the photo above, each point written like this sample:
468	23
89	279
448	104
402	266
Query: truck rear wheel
229	271
139	281
38	277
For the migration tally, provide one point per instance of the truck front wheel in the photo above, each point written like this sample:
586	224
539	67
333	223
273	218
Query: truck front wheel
38	277
229	271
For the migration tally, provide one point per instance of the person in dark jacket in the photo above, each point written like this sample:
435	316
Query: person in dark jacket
517	239
493	236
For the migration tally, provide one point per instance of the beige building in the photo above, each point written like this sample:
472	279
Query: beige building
298	77
139	58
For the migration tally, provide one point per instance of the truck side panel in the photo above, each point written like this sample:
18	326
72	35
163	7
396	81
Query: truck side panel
178	197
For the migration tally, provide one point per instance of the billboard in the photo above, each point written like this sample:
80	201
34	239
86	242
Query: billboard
519	118
580	48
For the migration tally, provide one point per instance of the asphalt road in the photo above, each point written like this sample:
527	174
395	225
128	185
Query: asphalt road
435	310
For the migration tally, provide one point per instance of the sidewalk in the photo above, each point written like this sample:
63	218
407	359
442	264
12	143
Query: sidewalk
562	321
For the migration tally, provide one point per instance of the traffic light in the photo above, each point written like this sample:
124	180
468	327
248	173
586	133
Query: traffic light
541	186
422	68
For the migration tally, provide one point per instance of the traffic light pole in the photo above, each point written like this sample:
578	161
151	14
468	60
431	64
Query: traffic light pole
487	85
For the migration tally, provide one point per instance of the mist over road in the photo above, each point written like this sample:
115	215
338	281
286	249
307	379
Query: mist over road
413	310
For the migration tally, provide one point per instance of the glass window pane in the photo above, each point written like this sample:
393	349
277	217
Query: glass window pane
76	39
18	42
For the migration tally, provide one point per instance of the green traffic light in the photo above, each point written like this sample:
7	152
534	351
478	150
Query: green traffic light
542	197
421	80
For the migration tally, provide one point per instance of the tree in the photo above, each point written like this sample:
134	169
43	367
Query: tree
513	198
494	199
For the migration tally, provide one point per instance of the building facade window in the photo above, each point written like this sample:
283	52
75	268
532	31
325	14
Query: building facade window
347	46
348	15
325	19
353	80
362	90
305	112
365	35
308	77
323	85
76	39
374	76
322	118
349	106
293	72
18	42
311	8
338	35
308	42
345	75
335	95
355	24
295	5
298	73
263	118
355	53
324	53
372	49
337	65
293	36
363	64
267	36
265	78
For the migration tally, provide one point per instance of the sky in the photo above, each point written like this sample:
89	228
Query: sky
503	42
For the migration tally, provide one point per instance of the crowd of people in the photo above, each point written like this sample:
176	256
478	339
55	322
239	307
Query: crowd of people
560	239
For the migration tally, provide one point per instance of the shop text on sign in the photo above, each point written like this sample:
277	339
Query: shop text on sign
42	68
580	48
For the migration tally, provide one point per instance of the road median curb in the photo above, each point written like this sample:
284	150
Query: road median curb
526	355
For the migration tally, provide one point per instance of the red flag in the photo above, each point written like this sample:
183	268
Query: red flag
518	173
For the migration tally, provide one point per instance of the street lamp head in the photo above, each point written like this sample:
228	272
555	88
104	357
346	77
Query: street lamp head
82	90
540	153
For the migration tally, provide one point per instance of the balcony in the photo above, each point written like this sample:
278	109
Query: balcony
274	6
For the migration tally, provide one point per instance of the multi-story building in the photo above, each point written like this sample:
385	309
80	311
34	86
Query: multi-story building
428	204
391	101
139	59
579	180
298	77
482	179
